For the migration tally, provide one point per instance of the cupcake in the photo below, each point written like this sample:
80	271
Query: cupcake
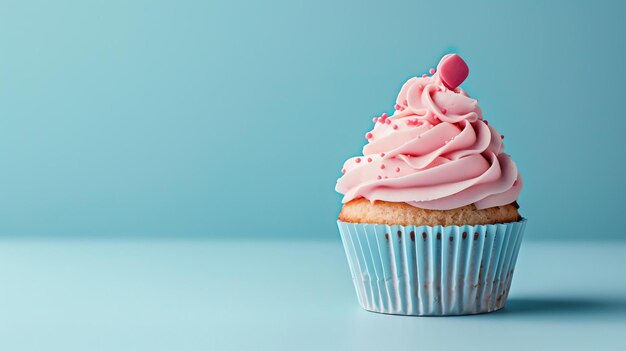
430	221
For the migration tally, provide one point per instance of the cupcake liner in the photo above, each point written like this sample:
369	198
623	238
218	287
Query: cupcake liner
432	270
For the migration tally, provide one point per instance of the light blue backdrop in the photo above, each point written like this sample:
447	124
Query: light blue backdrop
233	118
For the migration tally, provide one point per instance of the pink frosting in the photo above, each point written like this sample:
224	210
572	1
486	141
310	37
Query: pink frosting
434	152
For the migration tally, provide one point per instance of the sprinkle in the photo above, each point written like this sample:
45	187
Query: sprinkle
397	107
384	115
387	121
379	177
413	122
397	169
382	166
369	135
357	160
424	75
369	159
431	71
343	171
395	126
443	110
382	154
374	119
379	120
420	87
501	136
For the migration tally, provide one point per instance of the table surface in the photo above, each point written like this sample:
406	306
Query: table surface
161	294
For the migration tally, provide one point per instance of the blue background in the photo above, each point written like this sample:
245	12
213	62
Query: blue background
232	119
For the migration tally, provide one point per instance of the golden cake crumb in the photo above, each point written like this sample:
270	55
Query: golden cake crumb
400	213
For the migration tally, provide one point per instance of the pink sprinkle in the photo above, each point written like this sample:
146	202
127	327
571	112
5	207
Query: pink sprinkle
397	169
501	136
369	159
374	119
379	120
443	110
358	160
379	177
369	135
382	166
382	154
384	115
431	71
413	122
388	121
397	107
424	75
395	126
420	87
447	141
343	171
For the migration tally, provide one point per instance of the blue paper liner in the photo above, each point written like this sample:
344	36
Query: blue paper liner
432	270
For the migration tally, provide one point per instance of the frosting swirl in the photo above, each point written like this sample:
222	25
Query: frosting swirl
434	152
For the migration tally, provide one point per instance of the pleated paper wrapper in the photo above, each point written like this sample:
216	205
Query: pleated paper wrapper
432	270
